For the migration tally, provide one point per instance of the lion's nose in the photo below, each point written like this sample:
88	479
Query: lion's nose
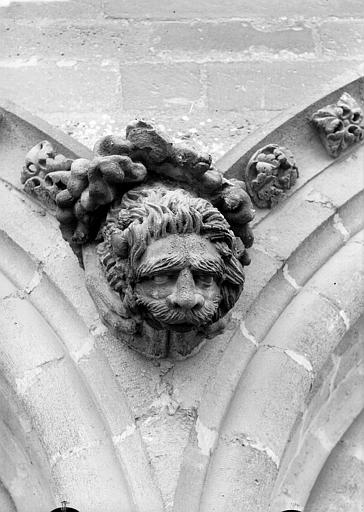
185	295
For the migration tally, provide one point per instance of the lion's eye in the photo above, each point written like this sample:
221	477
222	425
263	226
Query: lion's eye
205	280
161	279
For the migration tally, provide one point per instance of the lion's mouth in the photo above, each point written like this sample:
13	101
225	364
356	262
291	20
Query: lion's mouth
180	327
159	315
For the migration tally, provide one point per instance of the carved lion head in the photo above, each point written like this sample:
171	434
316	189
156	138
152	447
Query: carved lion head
172	258
161	234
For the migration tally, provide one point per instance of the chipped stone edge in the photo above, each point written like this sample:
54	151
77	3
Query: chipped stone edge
120	438
299	359
247	334
340	227
206	438
290	279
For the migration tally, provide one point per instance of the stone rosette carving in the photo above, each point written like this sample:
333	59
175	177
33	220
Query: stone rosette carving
161	234
270	172
340	125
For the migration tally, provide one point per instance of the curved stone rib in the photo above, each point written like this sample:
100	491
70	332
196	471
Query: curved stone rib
6	501
273	275
333	408
19	477
290	127
272	391
58	402
294	131
340	483
31	275
23	468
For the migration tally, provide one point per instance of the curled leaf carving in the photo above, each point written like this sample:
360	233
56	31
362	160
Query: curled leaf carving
162	235
271	171
340	124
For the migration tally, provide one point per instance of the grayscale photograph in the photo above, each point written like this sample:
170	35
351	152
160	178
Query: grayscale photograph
181	256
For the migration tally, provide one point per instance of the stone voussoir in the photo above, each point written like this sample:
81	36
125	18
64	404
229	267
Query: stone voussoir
256	409
248	486
335	485
342	281
78	425
307	330
315	439
29	350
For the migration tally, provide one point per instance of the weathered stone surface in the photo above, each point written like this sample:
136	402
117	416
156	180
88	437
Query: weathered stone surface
232	36
340	125
49	11
237	487
15	84
268	85
340	484
167	398
271	171
170	267
186	9
32	253
160	86
342	37
334	406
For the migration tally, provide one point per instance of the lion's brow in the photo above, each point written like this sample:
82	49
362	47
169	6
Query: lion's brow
162	264
207	264
204	264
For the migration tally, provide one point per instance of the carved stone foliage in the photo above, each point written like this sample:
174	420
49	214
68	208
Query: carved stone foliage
340	125
270	172
45	173
161	234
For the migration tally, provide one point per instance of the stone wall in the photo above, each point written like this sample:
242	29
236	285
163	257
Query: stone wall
209	71
252	418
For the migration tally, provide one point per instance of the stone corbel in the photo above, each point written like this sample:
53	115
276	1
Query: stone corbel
161	234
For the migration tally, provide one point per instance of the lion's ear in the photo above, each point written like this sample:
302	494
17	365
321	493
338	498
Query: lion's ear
120	244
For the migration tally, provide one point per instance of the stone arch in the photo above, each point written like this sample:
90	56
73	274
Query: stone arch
78	415
261	404
303	241
337	482
334	406
23	471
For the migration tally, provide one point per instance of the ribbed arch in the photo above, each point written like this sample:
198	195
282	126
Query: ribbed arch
282	271
6	502
66	384
277	379
23	469
54	396
331	409
341	480
272	391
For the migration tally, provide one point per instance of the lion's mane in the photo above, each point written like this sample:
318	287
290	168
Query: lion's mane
151	212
